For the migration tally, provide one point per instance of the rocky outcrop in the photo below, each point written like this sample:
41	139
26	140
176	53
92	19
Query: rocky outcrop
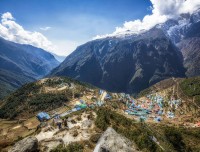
29	144
111	141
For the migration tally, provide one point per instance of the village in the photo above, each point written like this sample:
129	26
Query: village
75	120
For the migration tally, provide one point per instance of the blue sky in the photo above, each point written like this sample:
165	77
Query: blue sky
59	26
73	22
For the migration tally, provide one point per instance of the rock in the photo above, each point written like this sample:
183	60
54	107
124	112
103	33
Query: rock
74	133
48	144
29	144
111	141
87	124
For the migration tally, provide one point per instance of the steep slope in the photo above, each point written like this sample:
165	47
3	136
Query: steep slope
185	34
127	64
130	63
190	49
20	64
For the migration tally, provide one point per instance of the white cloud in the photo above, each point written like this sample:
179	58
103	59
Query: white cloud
45	28
6	16
12	31
65	47
161	11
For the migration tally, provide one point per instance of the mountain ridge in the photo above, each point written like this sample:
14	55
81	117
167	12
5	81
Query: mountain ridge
152	54
21	64
96	56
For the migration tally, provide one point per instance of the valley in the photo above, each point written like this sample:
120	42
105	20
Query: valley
21	64
88	111
100	76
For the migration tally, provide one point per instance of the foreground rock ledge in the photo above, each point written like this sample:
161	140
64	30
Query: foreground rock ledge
111	141
29	144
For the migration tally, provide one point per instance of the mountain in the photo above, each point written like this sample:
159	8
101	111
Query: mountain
20	64
127	64
185	34
132	62
59	58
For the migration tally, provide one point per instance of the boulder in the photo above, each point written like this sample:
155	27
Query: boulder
111	141
29	144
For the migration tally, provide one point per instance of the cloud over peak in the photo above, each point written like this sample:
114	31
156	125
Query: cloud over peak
12	31
161	10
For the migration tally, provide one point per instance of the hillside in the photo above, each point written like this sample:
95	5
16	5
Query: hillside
166	116
20	64
186	88
45	94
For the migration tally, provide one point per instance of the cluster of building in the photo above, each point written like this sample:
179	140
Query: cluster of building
78	105
151	107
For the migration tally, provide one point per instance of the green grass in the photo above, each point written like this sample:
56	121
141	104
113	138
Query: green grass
28	99
171	138
191	88
127	127
69	80
144	92
72	147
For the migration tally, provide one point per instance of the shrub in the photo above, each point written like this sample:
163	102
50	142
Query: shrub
126	127
175	138
72	147
191	86
94	138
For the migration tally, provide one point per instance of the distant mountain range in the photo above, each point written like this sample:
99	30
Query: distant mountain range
132	62
20	64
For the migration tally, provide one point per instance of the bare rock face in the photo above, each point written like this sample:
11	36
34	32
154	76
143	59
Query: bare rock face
111	141
134	62
124	64
29	144
190	49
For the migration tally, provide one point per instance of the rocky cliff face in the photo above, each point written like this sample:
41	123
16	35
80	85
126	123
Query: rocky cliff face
131	63
127	64
185	34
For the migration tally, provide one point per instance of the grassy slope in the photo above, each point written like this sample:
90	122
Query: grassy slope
191	88
30	99
170	138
